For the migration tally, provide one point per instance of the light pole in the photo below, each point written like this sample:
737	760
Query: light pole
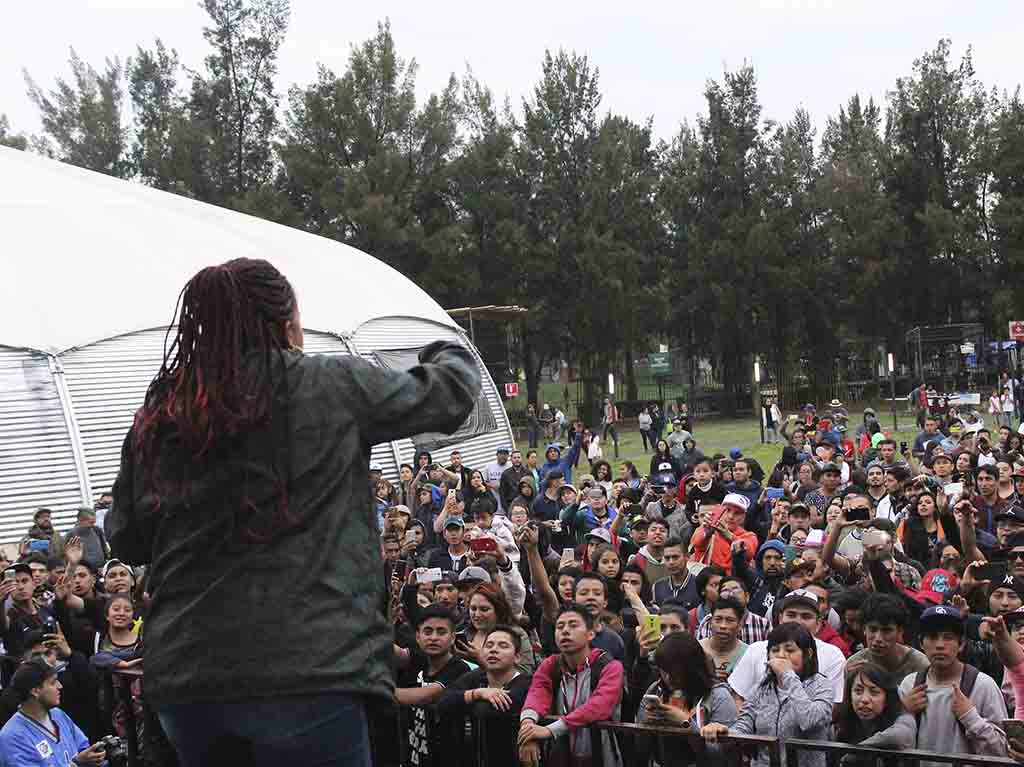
757	398
892	381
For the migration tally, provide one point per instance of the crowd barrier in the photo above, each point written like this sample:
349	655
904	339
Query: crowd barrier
642	744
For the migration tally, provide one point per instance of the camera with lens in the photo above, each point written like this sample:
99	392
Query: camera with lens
114	747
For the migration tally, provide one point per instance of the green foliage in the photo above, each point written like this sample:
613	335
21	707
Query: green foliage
8	139
738	237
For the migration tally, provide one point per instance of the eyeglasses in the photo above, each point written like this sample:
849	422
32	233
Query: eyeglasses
1017	555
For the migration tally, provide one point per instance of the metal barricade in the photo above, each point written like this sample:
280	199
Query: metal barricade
878	756
732	751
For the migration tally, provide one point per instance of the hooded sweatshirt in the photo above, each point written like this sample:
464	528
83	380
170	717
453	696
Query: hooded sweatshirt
576	706
562	463
762	588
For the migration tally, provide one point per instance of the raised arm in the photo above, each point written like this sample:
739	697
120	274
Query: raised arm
538	575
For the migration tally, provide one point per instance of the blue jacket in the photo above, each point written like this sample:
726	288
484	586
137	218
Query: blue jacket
561	463
23	743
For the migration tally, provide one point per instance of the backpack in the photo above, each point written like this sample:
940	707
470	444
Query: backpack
967	681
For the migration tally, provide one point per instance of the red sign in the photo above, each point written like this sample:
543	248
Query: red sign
512	389
1016	330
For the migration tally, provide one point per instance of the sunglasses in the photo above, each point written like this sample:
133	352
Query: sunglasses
1016	555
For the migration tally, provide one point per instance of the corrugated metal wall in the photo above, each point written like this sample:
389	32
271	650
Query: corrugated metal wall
107	382
37	466
407	333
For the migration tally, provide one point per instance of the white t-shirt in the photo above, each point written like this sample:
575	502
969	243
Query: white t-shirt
751	670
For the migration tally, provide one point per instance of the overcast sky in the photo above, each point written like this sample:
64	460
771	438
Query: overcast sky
654	58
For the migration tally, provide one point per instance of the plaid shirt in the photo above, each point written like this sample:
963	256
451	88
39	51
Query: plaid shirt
753	629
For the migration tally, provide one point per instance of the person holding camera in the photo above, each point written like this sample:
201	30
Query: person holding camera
40	733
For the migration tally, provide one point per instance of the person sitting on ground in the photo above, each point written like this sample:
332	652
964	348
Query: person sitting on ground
956	705
40	733
793	700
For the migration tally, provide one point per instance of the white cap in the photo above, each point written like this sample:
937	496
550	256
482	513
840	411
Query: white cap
374	466
737	500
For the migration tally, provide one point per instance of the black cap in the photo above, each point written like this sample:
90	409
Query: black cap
20	567
1013	512
31	674
942	617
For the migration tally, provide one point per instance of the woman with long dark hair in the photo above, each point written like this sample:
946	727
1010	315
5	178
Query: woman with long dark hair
926	525
872	714
243	485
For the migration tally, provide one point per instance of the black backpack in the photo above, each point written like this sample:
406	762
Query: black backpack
968	678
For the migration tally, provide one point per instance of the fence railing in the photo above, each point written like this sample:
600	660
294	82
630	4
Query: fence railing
872	756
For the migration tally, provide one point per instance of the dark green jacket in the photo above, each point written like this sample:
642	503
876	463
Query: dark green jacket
236	617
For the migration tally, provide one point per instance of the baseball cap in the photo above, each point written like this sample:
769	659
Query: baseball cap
374	466
1018	472
737	500
664	479
402	509
1009	581
504	449
735	453
942	617
1014	512
936	584
454	522
801	598
596	492
32	674
601	534
1017	616
19	567
796	565
474	574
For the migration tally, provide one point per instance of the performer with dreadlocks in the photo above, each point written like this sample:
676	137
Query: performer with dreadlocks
243	486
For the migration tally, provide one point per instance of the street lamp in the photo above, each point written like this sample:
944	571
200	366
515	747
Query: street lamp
757	398
892	381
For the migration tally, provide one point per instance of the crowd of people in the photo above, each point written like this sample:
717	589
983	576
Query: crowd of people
861	590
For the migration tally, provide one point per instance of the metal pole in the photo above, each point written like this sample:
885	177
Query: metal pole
892	379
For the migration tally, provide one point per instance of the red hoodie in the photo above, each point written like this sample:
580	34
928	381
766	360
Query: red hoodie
543	700
829	635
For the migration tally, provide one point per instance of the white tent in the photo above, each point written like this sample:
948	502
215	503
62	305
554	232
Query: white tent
92	267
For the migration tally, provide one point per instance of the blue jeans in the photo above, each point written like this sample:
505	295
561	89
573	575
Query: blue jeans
311	730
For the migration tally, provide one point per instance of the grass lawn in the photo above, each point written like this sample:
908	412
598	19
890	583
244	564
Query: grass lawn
719	435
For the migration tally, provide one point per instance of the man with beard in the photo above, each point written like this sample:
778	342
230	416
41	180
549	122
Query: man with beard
766	580
508	487
42	536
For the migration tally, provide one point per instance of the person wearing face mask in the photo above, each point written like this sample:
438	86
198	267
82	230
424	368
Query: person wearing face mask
495	692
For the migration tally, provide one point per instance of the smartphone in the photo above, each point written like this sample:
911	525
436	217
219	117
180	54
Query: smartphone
652	624
37	544
451	495
954	489
401	569
484	546
857	515
568	558
774	493
715	515
903	447
410	536
430	575
9	575
992	571
650	701
875	538
815	539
